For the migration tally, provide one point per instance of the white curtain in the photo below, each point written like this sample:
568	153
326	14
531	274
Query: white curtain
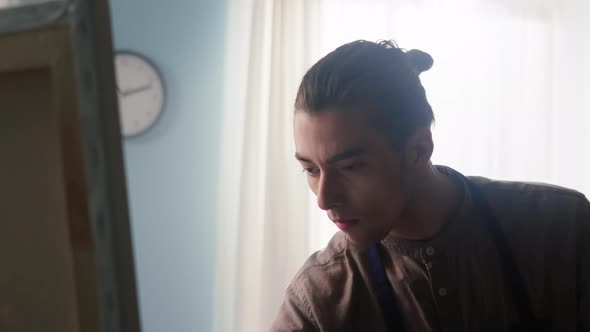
263	211
510	89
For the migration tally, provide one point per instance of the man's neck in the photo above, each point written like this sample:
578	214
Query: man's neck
433	199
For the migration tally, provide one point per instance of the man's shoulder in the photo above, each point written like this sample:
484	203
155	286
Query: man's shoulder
312	287
321	265
526	195
527	187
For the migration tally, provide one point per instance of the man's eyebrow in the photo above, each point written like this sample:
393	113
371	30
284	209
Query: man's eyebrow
301	158
353	152
346	154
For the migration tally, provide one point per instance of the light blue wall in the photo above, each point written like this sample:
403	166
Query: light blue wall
172	169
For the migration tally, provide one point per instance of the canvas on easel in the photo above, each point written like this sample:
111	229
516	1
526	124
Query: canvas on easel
66	262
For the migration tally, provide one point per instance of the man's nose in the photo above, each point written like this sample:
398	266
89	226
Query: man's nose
329	194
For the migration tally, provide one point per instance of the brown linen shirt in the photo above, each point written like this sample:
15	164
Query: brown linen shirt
454	281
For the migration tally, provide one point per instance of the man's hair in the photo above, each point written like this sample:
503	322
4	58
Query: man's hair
371	76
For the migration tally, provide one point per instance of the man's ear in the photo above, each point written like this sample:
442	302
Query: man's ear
418	148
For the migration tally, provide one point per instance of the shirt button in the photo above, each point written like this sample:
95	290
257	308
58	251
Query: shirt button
442	291
430	251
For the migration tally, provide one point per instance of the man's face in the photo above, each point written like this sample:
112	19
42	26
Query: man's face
354	171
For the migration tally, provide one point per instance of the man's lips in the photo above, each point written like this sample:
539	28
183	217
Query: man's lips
345	224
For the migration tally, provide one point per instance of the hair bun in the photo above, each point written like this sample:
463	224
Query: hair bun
421	61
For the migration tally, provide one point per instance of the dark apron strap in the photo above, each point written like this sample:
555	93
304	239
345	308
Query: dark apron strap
512	276
389	306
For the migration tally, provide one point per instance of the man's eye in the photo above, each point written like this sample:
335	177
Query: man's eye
310	171
352	167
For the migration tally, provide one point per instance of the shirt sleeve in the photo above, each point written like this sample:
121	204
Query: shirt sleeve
294	314
583	243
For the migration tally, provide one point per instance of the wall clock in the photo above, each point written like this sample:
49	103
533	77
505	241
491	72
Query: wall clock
141	92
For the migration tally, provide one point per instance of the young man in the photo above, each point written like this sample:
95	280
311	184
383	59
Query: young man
422	247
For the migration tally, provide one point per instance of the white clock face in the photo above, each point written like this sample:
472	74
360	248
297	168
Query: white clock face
140	91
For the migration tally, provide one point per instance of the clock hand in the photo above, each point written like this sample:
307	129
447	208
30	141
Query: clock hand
129	92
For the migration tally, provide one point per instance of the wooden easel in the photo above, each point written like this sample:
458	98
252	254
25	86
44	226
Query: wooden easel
65	252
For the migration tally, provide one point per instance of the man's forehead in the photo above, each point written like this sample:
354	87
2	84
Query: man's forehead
326	134
330	126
